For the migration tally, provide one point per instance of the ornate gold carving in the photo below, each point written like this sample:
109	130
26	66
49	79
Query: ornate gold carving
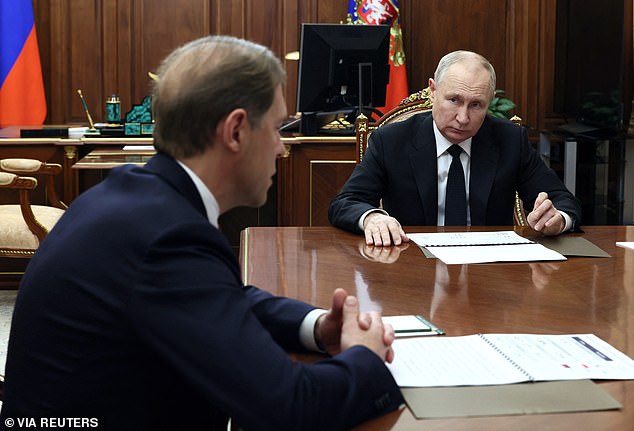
287	151
70	151
397	52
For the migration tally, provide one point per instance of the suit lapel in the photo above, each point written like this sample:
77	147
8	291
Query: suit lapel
422	157
484	161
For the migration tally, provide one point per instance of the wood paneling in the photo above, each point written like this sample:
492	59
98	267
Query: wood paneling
432	28
109	46
310	176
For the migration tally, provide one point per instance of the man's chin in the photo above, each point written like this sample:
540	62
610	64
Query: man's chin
455	137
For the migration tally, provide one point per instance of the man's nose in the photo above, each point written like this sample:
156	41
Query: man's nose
281	150
462	116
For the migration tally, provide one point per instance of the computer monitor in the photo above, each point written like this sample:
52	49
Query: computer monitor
343	68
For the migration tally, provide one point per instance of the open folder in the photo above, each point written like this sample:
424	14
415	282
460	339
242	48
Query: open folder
487	374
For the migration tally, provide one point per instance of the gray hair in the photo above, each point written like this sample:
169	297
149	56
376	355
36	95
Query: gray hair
463	57
201	82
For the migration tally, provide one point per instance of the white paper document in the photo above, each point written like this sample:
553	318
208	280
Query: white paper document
629	245
496	359
483	247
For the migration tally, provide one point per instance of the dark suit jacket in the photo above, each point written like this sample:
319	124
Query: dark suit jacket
400	167
133	312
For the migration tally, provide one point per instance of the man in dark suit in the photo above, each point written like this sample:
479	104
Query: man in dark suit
407	165
132	315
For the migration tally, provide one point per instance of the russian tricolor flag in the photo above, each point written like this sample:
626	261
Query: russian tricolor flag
22	99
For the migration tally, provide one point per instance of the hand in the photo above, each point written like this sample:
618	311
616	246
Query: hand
545	218
366	329
328	325
381	254
382	230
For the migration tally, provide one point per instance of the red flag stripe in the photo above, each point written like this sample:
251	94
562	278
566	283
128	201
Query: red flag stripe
22	98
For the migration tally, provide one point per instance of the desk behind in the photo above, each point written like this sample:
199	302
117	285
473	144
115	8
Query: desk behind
594	295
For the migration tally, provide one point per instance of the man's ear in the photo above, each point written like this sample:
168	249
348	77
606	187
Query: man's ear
232	129
432	88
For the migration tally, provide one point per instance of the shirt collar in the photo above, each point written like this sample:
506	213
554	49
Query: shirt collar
442	144
209	201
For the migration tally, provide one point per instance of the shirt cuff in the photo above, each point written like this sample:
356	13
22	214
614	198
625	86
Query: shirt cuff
307	330
365	214
568	221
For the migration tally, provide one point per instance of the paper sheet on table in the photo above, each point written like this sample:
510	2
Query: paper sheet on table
467	238
494	253
629	245
483	247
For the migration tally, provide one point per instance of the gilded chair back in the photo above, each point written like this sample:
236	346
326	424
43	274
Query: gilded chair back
411	105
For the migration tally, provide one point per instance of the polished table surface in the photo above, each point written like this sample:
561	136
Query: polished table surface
580	295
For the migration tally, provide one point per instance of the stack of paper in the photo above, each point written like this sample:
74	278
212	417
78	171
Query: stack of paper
481	247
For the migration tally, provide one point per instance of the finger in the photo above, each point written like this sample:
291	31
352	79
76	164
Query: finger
350	311
365	321
540	215
549	218
404	236
376	236
388	334
386	240
369	240
395	233
338	298
389	356
541	197
556	217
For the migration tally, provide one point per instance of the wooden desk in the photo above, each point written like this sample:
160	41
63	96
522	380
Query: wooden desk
580	295
65	151
309	175
105	159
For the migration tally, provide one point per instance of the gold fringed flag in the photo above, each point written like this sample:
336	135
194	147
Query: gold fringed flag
385	12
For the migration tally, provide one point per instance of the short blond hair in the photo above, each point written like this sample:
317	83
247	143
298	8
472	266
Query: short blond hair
203	81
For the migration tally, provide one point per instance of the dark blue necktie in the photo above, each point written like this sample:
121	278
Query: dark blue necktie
456	198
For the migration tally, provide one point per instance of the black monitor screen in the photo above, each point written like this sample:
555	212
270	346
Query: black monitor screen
335	59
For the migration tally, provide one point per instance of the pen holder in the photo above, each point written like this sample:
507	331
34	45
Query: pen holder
113	110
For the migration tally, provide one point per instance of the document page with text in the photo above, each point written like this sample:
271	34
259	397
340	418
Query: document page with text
494	359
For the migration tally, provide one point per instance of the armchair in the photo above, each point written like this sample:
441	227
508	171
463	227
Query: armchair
24	225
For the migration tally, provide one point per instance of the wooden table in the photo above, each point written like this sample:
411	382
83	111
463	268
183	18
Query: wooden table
580	295
309	174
